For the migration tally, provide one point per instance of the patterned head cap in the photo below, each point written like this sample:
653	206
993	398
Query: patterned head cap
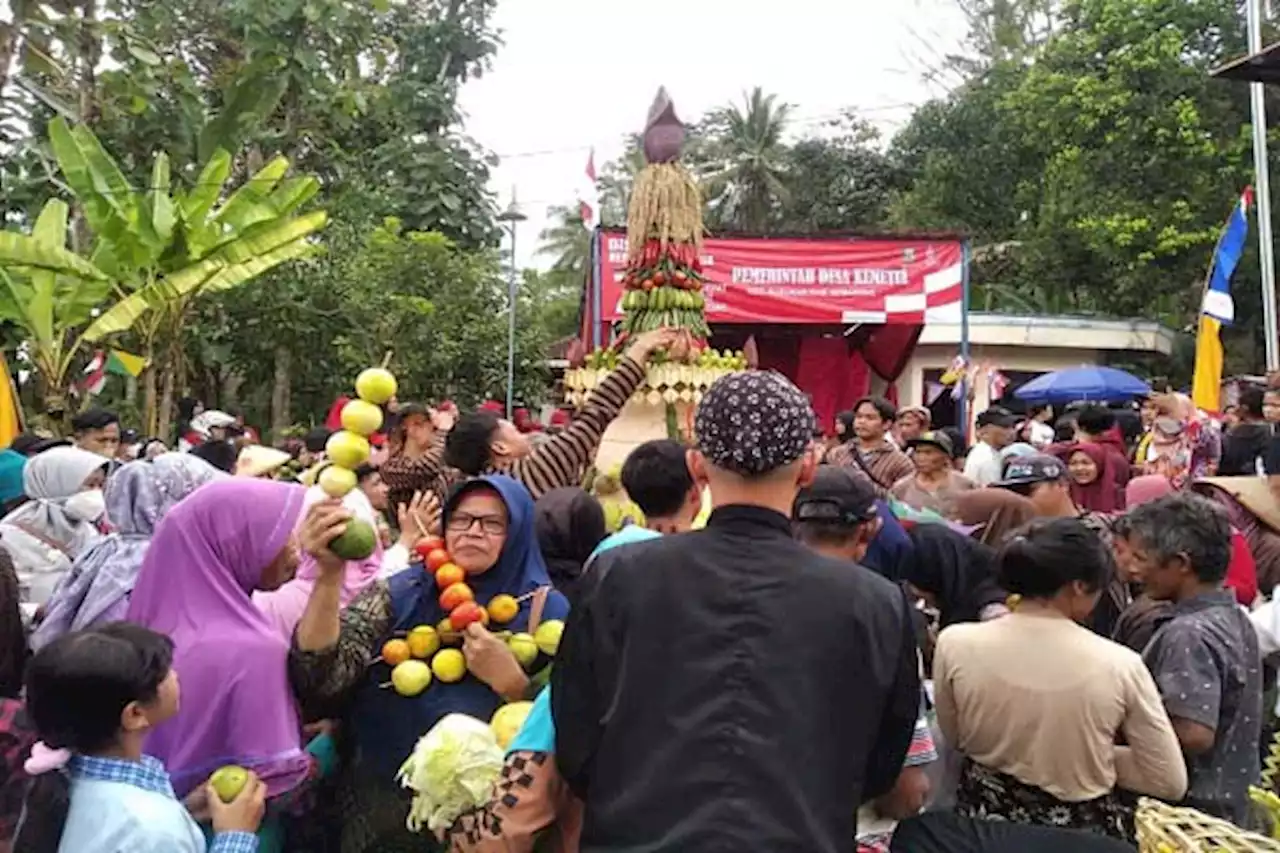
754	422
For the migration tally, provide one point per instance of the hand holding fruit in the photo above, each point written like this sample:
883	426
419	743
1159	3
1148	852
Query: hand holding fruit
647	344
197	803
324	522
492	661
243	813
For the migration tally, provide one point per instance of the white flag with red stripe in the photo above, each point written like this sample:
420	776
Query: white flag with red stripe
587	199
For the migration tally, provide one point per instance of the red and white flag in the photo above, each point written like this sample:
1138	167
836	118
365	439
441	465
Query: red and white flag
95	374
587	202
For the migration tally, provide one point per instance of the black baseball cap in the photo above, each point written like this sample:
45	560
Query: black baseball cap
1029	470
934	438
997	416
836	495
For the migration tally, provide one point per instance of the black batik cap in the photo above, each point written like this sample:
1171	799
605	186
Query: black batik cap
754	422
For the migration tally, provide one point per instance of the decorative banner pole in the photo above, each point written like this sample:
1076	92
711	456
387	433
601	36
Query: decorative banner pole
1262	183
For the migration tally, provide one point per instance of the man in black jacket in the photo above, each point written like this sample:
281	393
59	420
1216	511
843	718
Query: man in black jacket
729	689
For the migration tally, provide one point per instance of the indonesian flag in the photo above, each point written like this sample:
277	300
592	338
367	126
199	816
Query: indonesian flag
106	362
95	374
587	201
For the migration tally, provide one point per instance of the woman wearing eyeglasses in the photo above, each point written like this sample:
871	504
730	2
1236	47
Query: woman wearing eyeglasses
489	533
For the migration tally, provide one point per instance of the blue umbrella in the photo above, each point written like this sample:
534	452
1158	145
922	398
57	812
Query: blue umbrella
1087	382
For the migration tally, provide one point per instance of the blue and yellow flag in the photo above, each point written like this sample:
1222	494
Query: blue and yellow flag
1218	308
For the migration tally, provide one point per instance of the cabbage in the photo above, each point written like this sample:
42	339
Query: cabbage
453	769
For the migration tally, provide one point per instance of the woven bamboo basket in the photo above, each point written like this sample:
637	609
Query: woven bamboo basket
1170	829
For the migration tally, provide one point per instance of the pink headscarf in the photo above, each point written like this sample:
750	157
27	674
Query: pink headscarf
1146	488
284	607
206	558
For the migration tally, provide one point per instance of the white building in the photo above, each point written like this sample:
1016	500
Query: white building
1022	347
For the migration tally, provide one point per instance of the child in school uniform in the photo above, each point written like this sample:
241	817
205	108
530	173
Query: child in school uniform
93	697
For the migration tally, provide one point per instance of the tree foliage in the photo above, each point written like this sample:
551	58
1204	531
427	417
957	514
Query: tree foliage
440	309
154	249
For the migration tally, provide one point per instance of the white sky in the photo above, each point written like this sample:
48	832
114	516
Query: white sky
574	74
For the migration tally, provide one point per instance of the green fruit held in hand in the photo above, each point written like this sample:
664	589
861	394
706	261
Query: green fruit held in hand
229	781
375	385
336	482
361	418
347	450
356	542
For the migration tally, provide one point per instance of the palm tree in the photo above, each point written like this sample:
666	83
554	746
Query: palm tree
746	153
566	240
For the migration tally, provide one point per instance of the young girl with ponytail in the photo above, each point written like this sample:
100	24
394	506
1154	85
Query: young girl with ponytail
93	697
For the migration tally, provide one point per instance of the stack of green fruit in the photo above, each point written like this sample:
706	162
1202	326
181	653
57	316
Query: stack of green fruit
348	449
664	290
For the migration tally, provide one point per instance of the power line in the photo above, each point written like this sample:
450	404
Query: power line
808	121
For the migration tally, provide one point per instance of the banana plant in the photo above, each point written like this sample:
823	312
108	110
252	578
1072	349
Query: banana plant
49	291
154	250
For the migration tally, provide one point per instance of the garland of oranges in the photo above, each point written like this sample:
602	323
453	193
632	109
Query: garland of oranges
423	654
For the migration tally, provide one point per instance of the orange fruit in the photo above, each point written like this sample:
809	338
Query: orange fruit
455	594
448	574
395	652
503	608
423	642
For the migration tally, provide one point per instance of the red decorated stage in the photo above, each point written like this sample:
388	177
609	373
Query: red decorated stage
829	312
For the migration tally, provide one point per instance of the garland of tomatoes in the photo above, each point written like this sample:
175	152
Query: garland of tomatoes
673	265
663	288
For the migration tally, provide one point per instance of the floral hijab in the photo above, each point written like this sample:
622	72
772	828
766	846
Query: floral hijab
138	495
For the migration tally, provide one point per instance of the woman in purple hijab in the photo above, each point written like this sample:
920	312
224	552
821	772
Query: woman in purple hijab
208	556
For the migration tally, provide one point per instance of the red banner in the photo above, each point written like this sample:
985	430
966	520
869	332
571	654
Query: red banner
832	281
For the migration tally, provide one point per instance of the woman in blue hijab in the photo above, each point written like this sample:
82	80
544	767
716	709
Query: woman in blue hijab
489	532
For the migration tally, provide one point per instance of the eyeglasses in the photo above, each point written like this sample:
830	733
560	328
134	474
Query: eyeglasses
491	525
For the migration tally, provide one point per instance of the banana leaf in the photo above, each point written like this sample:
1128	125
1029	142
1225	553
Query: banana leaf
21	250
50	231
158	218
248	204
196	205
230	265
94	177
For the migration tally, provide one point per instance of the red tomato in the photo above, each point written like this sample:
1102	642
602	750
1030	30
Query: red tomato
464	614
437	558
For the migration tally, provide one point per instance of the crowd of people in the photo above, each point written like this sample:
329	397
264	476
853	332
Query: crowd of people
881	637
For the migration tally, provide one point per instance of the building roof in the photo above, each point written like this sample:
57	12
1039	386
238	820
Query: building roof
1260	67
1065	332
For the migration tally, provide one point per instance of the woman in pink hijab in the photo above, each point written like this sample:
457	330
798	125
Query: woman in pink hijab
208	556
283	607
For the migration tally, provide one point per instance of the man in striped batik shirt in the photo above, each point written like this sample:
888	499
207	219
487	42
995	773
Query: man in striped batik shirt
870	449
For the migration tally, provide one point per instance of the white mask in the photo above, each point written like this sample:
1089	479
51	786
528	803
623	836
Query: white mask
89	505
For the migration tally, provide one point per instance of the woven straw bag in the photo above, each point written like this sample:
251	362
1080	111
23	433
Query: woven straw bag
1171	829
